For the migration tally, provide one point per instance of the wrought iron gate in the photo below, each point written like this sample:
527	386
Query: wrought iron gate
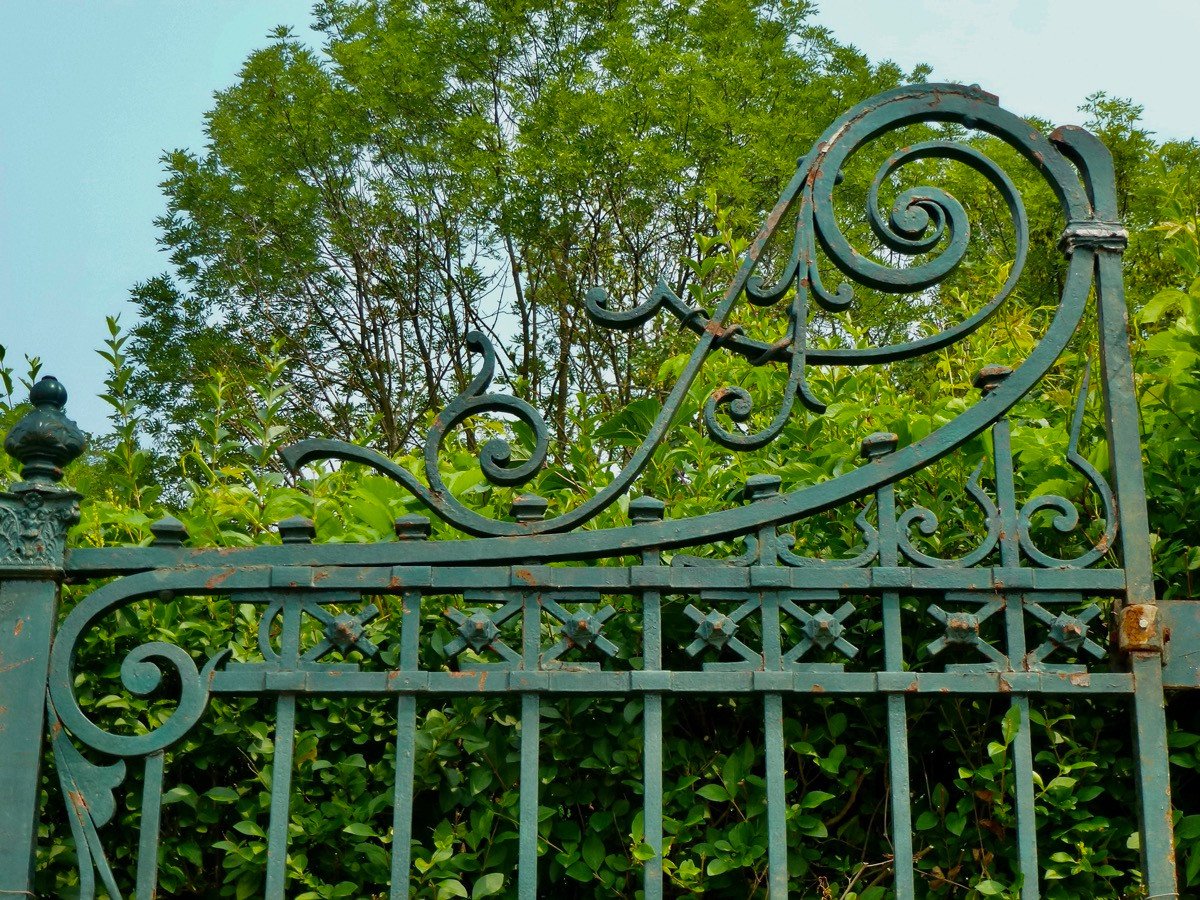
1014	608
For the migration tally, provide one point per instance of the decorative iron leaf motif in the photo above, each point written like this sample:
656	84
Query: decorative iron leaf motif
88	792
34	524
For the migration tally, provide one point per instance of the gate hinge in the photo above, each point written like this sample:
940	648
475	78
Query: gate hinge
1138	629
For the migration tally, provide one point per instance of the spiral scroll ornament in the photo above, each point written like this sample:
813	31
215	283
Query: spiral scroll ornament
927	520
142	672
1066	518
925	225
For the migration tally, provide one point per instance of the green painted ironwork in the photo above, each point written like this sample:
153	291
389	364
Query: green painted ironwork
531	617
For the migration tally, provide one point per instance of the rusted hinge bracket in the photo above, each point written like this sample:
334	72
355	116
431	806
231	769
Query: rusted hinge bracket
1138	630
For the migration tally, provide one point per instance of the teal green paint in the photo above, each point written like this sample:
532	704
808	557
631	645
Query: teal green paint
1154	777
281	792
1014	622
528	800
148	828
504	571
777	856
900	792
34	516
777	849
406	736
648	509
527	849
27	612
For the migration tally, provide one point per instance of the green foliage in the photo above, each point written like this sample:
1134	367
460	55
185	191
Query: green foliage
349	220
590	833
437	167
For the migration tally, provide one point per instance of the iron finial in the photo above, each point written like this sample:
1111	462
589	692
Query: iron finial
529	508
760	487
45	440
168	532
296	530
646	509
412	528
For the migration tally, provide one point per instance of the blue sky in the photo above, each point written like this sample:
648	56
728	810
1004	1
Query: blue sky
92	93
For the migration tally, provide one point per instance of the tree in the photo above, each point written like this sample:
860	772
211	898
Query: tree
455	165
442	166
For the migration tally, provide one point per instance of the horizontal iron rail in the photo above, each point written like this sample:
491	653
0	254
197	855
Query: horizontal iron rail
383	577
331	681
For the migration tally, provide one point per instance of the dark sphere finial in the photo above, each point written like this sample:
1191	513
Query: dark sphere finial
48	392
45	440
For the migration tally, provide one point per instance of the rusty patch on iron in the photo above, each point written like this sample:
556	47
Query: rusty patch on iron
818	689
16	665
526	576
18	628
1137	629
219	579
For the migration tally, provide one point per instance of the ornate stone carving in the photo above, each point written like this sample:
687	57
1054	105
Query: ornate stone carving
36	513
33	525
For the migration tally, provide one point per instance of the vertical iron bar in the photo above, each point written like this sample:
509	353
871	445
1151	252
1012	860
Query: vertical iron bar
758	488
530	723
1006	500
1125	464
777	857
1014	621
647	509
148	828
281	790
406	736
897	704
527	852
285	741
27	613
1026	811
1154	777
1124	430
1129	488
901	794
652	790
35	513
